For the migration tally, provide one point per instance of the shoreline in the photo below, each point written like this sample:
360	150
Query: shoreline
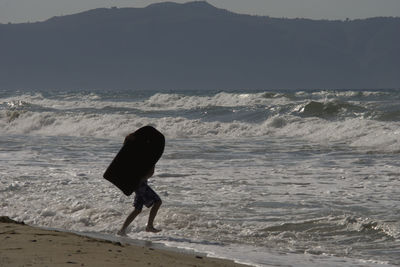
22	245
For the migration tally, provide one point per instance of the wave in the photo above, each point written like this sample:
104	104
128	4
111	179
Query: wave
158	101
339	225
391	115
359	133
311	103
340	235
222	115
332	109
347	93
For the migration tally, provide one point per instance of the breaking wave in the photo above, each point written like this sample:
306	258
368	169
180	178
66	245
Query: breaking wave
358	119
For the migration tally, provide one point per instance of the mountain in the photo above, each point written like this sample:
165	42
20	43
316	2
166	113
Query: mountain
197	46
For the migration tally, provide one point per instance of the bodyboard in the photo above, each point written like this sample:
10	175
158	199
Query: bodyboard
140	152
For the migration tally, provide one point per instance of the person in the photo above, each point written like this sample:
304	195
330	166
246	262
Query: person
144	196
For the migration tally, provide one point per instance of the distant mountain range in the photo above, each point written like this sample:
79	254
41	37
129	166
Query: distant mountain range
198	46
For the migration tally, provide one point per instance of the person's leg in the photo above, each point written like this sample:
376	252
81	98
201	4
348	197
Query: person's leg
152	215
128	221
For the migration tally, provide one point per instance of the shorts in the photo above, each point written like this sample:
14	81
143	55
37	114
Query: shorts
144	195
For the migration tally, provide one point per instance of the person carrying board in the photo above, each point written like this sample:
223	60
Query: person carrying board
132	167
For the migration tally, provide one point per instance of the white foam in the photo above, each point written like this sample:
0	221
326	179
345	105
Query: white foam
335	94
218	215
176	101
158	101
355	132
62	115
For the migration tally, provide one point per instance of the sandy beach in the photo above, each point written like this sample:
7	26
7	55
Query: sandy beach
24	245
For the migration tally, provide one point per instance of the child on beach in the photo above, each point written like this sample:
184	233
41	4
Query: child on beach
144	195
150	145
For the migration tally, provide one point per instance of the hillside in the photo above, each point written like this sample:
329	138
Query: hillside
197	46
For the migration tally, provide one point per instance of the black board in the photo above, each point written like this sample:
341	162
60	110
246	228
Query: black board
140	152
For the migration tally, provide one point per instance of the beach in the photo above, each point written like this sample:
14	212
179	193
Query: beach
24	245
265	178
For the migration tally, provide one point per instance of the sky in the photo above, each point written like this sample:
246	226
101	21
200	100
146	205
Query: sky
16	11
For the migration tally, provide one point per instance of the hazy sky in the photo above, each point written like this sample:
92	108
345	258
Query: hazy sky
37	10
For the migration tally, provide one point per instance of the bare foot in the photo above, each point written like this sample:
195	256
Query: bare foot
152	230
122	232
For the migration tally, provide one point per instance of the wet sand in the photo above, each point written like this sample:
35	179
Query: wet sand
24	245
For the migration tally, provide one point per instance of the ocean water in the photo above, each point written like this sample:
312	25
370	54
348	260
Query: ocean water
281	178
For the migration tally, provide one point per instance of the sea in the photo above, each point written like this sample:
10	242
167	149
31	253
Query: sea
267	177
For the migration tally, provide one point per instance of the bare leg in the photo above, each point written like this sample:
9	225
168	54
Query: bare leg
128	221
152	215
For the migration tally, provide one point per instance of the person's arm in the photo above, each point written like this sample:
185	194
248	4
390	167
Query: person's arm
147	175
151	172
